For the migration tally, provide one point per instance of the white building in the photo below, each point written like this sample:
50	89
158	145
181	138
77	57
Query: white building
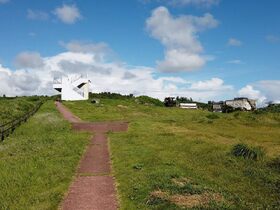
188	105
242	103
72	88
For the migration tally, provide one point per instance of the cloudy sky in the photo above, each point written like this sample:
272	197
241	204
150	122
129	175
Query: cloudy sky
204	49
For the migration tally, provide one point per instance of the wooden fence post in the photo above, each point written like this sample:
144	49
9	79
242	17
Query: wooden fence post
10	126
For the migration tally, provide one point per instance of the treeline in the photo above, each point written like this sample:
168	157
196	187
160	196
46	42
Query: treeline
146	100
272	108
109	95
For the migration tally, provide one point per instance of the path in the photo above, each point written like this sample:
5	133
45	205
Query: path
94	187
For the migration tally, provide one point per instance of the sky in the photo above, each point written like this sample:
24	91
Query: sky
204	49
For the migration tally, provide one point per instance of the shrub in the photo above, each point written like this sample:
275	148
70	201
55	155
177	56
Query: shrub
243	150
275	164
270	109
148	101
212	116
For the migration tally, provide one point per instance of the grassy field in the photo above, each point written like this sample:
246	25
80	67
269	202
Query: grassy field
38	161
12	108
172	158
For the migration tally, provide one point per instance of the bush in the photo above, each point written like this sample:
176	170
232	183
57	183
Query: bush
109	95
275	164
212	116
243	150
271	109
149	101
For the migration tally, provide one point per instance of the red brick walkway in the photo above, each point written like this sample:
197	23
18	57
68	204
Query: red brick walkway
94	187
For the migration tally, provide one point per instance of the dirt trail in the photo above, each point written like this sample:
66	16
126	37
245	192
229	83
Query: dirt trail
94	187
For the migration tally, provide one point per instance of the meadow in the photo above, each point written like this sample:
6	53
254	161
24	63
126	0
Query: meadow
174	159
38	161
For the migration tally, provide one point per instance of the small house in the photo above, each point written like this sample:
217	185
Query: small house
217	106
188	105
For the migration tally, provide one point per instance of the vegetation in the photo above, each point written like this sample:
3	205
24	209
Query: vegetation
12	108
173	158
243	150
269	109
38	162
146	100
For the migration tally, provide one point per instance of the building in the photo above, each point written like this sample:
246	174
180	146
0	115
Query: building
188	105
72	88
217	106
244	104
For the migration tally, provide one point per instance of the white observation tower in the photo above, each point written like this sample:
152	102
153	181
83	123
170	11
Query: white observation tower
72	88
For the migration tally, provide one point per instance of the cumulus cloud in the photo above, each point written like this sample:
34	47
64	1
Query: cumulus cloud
234	42
179	35
100	50
270	88
37	15
20	82
105	76
249	92
263	91
29	60
68	14
212	84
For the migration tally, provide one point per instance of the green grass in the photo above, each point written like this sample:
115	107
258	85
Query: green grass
11	109
38	161
163	143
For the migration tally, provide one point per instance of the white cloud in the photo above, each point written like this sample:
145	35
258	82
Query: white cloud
251	93
214	84
37	15
183	51
264	91
234	42
270	88
272	38
29	60
18	82
100	50
106	76
68	14
4	1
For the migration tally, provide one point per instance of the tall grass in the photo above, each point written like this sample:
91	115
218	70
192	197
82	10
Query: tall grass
247	152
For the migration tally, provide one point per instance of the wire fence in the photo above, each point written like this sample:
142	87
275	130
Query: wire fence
8	128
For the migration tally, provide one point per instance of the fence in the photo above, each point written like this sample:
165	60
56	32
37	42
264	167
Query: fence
8	128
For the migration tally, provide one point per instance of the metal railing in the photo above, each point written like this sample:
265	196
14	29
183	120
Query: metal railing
8	128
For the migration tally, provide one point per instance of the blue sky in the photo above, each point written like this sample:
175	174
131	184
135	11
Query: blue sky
239	43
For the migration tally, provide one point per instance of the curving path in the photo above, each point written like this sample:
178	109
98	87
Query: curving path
93	187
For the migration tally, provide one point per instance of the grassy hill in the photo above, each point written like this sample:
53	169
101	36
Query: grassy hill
172	158
12	108
38	161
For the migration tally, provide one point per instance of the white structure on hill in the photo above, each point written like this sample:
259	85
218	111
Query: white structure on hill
242	103
72	88
188	105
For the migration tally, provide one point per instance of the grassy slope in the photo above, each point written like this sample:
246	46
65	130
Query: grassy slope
168	142
38	162
11	109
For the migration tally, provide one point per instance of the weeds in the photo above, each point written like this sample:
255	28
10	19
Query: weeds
252	153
